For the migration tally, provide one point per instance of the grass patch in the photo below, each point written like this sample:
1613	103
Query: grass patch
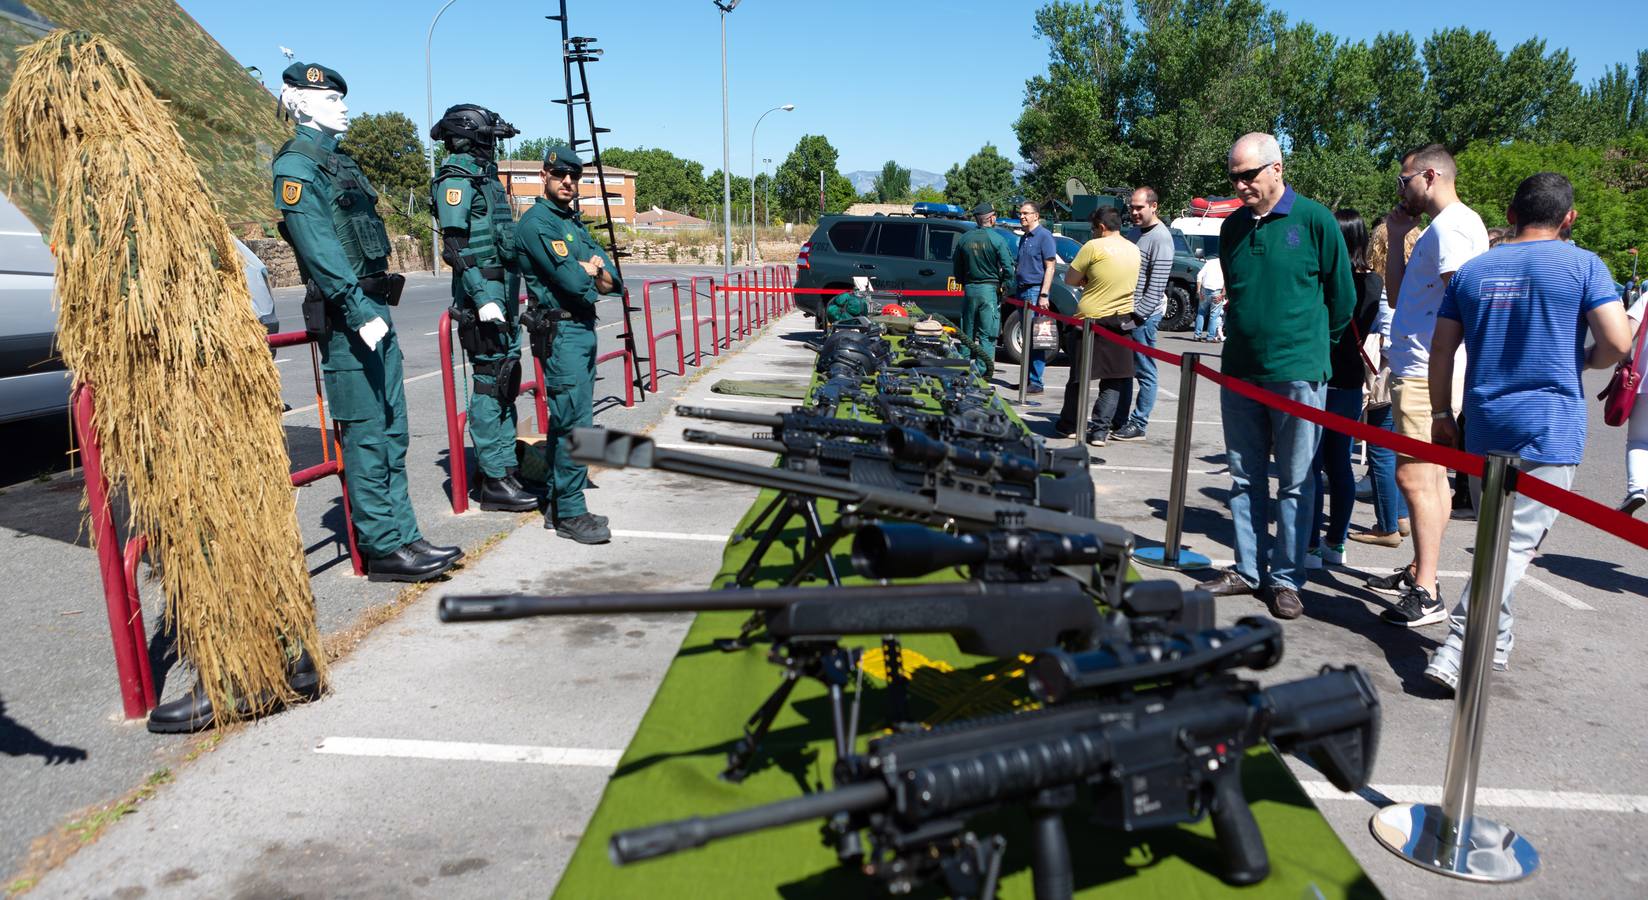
20	886
90	827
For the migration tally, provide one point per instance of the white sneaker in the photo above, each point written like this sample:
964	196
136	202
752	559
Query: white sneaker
1633	501
1332	554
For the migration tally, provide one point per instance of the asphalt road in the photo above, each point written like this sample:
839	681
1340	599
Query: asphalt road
63	742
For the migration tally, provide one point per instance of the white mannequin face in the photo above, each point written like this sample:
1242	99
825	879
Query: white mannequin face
325	110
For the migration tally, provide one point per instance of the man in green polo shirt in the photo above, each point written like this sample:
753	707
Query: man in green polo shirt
1289	290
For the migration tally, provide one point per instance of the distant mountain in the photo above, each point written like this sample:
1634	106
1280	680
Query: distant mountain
865	181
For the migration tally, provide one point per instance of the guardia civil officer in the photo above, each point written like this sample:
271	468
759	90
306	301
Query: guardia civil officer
329	216
984	265
566	271
478	242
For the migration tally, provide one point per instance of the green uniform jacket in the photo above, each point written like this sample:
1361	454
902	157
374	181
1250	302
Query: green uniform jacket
468	198
554	241
982	256
1290	291
334	251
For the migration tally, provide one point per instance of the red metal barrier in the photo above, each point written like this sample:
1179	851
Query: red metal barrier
629	383
653	339
698	326
457	420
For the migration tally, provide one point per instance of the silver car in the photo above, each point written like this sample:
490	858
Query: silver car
33	381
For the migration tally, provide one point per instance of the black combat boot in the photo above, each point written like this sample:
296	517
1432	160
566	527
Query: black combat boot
192	712
406	564
584	529
422	546
505	494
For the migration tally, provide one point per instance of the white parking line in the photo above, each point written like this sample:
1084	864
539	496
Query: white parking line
671	536
1493	797
1162	471
311	407
723	398
460	751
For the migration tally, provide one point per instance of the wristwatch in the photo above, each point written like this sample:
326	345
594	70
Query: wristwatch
1441	415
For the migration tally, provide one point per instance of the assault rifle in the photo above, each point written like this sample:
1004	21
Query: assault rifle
944	502
806	625
1151	763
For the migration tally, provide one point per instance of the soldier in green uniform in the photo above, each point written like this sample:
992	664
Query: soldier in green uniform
478	242
984	266
566	271
329	216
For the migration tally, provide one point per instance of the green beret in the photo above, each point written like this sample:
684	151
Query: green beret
314	75
559	155
984	209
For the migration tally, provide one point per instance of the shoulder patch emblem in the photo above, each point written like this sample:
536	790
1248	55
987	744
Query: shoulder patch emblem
454	196
559	247
291	192
313	76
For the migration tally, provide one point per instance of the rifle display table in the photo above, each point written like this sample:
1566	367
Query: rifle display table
672	766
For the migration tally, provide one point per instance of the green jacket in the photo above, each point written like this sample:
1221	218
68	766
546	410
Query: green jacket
982	256
329	211
468	198
1289	288
553	241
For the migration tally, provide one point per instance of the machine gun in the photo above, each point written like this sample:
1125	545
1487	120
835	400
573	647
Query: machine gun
1150	764
806	625
945	501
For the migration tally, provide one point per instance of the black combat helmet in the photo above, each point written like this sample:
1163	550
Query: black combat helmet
469	128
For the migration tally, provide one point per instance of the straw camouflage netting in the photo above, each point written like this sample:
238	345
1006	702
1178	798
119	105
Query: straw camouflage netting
154	312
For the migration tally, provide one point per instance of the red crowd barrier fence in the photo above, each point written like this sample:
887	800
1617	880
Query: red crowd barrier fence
698	322
1586	510
629	382
653	339
457	420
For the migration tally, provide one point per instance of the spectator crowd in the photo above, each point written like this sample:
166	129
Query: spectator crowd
1423	322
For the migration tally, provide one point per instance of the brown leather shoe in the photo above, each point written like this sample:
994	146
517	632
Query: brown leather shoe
1228	584
1284	603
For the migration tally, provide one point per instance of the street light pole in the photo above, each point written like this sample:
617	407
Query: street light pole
786	108
766	208
429	101
726	147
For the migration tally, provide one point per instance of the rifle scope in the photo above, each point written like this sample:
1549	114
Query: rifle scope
910	445
1180	658
910	551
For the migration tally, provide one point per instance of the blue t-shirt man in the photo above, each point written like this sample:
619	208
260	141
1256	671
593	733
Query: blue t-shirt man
1035	249
1523	307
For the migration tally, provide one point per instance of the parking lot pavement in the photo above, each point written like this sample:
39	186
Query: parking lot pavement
64	745
1562	762
451	760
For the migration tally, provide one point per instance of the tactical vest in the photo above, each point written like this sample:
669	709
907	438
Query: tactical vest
354	207
491	224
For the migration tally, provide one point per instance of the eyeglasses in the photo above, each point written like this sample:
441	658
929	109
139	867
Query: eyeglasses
559	174
1138	206
1402	180
1247	175
1028	214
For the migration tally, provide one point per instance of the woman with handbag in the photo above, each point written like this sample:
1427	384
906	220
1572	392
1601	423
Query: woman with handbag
1636	428
1106	269
1344	398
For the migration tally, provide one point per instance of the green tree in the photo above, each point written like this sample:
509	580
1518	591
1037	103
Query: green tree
531	148
664	179
795	186
893	184
927	194
387	148
985	176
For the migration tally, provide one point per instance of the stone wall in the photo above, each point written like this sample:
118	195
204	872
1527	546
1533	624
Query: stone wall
404	256
663	251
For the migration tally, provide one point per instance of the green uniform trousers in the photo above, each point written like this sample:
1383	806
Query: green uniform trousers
981	315
569	380
491	422
369	403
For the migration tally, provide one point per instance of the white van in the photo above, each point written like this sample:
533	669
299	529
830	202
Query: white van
1200	223
33	381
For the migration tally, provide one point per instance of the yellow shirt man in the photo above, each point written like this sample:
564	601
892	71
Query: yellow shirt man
1111	266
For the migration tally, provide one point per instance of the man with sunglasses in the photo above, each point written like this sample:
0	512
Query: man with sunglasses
1414	288
1290	291
566	272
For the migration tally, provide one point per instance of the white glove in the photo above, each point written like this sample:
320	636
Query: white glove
373	332
492	312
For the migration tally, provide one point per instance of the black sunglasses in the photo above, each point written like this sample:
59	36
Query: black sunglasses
1248	175
563	173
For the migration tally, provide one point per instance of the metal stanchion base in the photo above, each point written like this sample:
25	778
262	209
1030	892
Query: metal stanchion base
1490	852
1155	557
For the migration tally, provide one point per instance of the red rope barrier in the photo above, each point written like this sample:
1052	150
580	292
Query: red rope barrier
726	289
1616	523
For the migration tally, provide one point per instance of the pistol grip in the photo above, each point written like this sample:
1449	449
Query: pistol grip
1246	861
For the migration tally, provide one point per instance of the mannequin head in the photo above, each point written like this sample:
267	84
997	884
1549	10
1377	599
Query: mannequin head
323	110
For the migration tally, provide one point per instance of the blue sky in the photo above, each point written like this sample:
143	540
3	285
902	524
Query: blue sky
956	79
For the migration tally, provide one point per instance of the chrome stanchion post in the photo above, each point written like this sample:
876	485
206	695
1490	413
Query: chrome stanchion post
1024	351
1451	838
1170	555
1084	362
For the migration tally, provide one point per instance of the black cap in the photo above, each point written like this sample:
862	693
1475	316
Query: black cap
984	209
561	156
315	76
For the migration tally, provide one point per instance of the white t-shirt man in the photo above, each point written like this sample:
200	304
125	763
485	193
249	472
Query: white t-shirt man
1211	278
1455	236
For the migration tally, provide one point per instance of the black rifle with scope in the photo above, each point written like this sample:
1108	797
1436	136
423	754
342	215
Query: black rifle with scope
1151	762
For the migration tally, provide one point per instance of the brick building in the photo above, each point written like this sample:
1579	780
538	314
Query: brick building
523	180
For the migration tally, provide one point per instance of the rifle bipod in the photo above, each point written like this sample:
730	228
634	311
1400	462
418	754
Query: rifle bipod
816	546
827	661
